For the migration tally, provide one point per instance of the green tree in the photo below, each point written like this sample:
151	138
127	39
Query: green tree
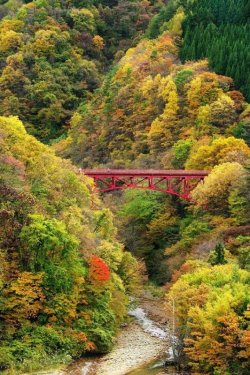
217	256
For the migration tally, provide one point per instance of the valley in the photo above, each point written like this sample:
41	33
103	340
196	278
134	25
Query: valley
124	175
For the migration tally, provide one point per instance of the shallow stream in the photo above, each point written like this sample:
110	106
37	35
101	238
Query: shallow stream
154	365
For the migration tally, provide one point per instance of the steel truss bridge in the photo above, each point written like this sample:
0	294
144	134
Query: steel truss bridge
176	182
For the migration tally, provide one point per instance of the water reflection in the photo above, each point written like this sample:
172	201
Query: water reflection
156	368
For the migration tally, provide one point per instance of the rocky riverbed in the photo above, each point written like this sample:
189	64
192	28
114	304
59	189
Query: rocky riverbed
134	347
144	339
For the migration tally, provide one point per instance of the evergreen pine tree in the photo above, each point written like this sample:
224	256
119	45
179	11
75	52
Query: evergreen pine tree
217	256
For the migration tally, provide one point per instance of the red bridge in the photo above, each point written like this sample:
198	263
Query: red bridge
175	182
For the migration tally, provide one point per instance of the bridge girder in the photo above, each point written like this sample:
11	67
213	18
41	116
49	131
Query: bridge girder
175	182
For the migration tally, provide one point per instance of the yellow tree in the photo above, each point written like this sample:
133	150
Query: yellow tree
162	127
98	42
222	113
203	121
175	24
194	95
208	303
10	41
215	190
220	150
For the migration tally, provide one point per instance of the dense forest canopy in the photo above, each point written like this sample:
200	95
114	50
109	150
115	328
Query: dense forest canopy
63	273
123	84
151	108
215	29
152	111
53	54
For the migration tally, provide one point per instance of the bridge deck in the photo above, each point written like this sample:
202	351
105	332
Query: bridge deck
143	172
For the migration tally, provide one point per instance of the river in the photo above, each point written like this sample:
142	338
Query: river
141	349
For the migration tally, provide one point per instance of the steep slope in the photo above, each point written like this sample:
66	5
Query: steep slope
154	112
64	278
216	29
53	53
151	107
221	33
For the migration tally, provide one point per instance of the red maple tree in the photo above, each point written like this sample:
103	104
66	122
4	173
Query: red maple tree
98	271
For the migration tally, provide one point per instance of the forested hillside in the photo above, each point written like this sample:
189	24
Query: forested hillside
53	54
172	98
215	29
64	278
154	112
151	108
220	31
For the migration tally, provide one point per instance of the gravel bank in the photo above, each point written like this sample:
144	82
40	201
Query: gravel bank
134	348
140	342
137	344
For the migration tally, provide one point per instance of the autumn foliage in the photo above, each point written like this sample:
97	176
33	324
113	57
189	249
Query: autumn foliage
51	290
81	71
98	270
212	308
53	54
154	112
